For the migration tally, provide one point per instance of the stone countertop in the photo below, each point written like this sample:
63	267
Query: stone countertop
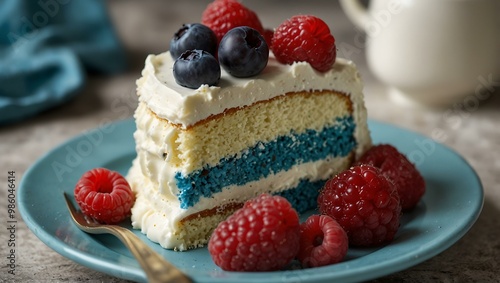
146	27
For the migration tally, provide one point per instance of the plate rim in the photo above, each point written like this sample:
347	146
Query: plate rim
389	266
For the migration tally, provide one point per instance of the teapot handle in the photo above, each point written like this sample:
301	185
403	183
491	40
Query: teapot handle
356	12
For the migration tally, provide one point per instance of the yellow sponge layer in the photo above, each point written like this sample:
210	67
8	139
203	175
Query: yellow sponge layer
195	230
237	129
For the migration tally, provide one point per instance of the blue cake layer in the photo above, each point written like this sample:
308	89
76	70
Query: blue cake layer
304	196
268	158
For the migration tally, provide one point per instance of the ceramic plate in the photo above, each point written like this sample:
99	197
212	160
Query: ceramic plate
450	206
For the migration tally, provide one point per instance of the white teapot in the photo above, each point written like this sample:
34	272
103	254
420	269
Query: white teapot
435	52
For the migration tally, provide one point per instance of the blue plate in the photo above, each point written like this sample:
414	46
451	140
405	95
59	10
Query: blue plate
451	205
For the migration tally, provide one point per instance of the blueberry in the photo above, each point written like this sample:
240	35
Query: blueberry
243	52
194	68
193	36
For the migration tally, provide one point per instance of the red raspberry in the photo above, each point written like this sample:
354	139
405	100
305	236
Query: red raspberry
322	241
104	195
365	203
305	38
224	15
262	236
268	36
409	183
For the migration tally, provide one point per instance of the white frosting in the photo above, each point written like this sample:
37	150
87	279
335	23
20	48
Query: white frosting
184	106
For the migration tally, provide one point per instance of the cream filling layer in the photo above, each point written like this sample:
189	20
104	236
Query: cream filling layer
155	137
158	216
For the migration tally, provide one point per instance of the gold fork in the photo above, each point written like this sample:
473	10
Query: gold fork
157	269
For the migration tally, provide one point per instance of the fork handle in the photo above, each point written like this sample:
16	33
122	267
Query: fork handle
157	269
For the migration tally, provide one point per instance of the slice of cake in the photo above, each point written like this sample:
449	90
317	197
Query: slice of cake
202	152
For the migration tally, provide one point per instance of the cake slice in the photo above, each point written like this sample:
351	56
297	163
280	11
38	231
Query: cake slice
201	153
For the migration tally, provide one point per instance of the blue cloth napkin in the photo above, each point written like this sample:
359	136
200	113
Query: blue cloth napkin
46	48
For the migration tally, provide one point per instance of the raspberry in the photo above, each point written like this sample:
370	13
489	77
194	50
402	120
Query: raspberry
305	38
365	203
224	15
268	36
409	183
261	236
322	241
104	195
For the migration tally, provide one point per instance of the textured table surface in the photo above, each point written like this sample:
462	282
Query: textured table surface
146	27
